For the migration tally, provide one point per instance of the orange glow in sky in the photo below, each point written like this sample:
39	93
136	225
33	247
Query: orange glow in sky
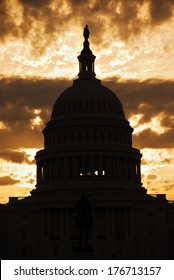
39	45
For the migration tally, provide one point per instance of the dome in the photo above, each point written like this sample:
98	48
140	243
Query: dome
87	96
88	138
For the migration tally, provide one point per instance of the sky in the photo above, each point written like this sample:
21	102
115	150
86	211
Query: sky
133	41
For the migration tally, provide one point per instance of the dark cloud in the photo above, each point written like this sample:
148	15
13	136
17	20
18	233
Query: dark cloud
7	26
19	98
160	10
16	157
149	139
7	180
43	21
150	98
35	4
31	181
167	160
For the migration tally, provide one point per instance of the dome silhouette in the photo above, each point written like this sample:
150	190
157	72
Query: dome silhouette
88	96
88	137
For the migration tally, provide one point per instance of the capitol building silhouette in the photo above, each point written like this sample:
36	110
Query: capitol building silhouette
89	201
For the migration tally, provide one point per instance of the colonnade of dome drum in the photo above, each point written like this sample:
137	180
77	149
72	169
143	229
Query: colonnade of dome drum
91	147
90	167
88	135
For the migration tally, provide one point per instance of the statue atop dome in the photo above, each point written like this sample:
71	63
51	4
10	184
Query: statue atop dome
86	32
86	58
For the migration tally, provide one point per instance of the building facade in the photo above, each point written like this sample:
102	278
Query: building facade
89	202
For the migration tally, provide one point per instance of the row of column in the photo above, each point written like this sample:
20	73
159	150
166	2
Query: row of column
86	66
81	136
112	222
73	168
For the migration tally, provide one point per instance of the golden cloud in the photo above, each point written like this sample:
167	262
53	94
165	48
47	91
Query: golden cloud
7	180
41	22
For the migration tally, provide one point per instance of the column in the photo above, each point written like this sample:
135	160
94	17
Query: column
133	170
138	171
83	166
70	167
50	170
63	168
122	175
110	167
46	223
100	166
115	167
128	169
93	225
65	171
73	167
125	168
112	221
59	168
67	222
62	221
92	165
119	136
118	168
44	172
47	170
109	222
56	170
129	221
39	173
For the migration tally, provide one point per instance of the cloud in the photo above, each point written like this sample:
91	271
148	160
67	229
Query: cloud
151	176
150	139
6	22
150	98
31	181
13	191
7	180
20	99
168	187
161	10
152	189
42	22
14	156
